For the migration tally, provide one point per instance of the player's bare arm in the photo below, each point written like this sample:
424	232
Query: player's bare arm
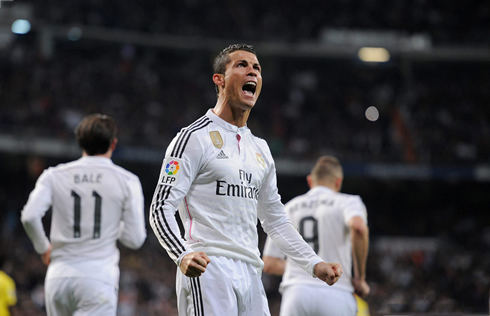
274	265
194	264
328	272
46	257
360	247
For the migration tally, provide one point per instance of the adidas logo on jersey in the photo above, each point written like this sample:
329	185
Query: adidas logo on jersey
222	155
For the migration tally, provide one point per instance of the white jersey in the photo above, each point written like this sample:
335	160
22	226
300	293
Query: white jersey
221	178
321	216
94	203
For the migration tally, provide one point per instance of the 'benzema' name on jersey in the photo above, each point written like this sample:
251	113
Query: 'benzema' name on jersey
311	204
238	190
88	178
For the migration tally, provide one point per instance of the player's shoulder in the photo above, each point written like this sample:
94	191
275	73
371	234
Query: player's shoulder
199	126
258	140
59	168
191	135
350	200
348	197
128	175
4	277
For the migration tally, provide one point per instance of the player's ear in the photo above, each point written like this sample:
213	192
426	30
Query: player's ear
113	144
338	183
309	180
219	80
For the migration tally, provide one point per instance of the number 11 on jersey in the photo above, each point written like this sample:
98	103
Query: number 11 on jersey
77	206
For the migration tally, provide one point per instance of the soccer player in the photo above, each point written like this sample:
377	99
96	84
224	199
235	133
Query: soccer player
335	225
222	178
8	296
94	203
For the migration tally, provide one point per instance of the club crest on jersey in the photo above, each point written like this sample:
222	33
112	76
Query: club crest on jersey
260	160
171	171
216	139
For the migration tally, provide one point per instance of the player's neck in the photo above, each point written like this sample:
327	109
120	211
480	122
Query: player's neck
325	184
230	114
108	154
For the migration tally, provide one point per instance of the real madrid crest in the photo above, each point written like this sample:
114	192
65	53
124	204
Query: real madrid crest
216	139
260	160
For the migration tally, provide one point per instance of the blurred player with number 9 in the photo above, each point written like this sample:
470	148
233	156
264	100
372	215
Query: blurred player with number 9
335	226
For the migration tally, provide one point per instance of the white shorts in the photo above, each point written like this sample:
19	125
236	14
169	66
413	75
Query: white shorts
79	297
303	300
228	287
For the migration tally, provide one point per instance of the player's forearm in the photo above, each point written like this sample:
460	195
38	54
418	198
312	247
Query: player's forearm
164	225
287	238
132	235
35	231
273	265
360	249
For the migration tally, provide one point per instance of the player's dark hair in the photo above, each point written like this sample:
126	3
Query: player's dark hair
327	168
95	134
223	58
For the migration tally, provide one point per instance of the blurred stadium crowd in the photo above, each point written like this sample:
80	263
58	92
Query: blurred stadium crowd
450	21
430	112
308	107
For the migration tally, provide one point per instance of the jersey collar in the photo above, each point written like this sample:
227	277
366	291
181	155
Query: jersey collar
95	159
224	124
322	188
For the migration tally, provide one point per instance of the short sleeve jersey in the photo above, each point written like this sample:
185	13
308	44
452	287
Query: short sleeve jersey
221	178
321	216
94	203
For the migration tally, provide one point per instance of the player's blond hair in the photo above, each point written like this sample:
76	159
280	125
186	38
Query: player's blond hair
327	168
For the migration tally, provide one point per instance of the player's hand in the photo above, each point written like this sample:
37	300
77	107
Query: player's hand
46	257
328	272
194	264
361	287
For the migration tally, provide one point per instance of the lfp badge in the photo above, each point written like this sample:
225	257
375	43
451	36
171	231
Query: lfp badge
170	172
172	168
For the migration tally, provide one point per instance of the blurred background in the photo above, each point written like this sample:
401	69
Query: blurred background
399	91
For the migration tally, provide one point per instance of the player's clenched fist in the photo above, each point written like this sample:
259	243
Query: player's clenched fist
194	264
328	272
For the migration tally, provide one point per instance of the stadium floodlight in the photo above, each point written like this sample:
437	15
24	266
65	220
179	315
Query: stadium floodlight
21	26
374	54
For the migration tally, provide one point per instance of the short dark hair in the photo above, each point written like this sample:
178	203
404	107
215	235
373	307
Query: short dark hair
223	58
95	133
327	168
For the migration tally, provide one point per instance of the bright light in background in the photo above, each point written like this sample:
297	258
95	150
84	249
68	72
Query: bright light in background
374	54
74	34
372	113
21	27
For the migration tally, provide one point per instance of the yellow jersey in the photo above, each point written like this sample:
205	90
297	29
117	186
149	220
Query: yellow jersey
7	294
362	307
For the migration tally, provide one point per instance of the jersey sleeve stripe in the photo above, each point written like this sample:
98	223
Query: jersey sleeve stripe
189	135
160	222
184	132
197	297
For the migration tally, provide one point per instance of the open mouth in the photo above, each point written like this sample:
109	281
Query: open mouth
249	88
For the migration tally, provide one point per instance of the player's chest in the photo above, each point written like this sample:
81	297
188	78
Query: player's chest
235	160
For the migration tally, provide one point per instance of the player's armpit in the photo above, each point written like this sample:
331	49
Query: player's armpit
328	272
194	264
